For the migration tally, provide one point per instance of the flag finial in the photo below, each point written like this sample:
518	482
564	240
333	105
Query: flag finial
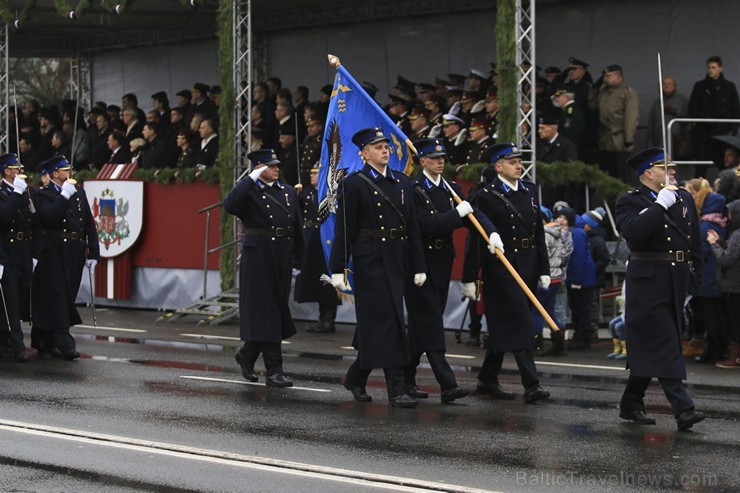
333	60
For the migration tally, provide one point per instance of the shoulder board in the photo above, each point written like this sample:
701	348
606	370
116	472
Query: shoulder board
636	190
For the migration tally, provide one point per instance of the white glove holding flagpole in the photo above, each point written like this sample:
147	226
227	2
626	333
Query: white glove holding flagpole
464	208
495	242
68	190
337	280
545	282
468	290
420	279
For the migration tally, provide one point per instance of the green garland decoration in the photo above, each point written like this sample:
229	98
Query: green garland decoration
8	15
64	7
226	160
507	69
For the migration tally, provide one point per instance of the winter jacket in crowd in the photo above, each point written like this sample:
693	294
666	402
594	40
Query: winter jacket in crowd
727	252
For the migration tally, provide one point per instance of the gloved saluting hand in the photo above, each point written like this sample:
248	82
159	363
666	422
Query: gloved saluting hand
257	172
495	242
19	185
667	198
68	190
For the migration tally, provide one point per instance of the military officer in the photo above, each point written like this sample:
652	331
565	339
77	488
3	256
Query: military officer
376	226
16	223
661	227
571	119
456	135
438	217
308	288
311	148
478	141
552	146
511	205
419	118
68	243
272	246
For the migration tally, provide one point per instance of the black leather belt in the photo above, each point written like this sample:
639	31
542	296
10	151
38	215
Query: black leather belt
520	243
677	256
311	224
383	233
437	244
278	232
71	235
18	235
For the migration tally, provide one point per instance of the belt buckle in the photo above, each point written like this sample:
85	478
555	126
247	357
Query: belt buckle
279	232
680	256
525	243
439	244
395	233
19	235
73	235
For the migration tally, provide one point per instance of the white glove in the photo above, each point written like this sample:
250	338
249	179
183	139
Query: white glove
337	280
256	173
468	290
667	198
34	263
19	185
91	263
420	279
545	282
2	269
68	190
464	208
495	242
576	286
296	272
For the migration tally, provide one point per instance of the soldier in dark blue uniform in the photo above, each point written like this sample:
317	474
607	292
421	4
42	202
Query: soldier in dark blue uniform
376	226
438	217
68	243
16	224
308	287
661	227
511	205
271	248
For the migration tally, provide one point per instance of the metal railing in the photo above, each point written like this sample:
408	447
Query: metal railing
669	133
210	251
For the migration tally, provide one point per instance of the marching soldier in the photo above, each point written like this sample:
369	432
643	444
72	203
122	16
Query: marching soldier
661	227
478	141
308	287
376	226
438	217
273	238
16	223
68	243
512	206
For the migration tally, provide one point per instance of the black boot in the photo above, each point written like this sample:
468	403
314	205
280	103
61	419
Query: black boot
474	327
558	344
326	318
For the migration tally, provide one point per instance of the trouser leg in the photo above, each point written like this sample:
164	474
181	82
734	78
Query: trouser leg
491	366
676	395
63	339
395	382
273	357
527	368
356	375
250	351
442	370
410	371
633	398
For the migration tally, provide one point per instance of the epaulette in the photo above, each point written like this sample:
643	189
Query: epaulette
569	110
636	190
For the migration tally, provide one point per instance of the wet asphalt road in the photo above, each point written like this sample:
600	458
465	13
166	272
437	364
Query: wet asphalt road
164	411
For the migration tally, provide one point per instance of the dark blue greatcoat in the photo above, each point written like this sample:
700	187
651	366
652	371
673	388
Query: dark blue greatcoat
381	266
266	260
438	218
507	307
67	236
656	289
16	225
307	285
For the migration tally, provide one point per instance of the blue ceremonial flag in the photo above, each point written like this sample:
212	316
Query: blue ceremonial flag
350	109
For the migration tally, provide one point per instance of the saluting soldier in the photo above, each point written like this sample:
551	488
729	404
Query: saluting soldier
512	206
661	227
272	247
438	217
68	243
376	226
478	141
16	223
308	287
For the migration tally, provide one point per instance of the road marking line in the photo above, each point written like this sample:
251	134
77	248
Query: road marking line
99	327
247	461
573	365
256	384
461	356
347	347
205	336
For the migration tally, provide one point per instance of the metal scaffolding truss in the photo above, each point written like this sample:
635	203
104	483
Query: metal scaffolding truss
4	88
242	82
526	67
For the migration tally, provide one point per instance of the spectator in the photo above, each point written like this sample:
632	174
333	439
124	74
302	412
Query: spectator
114	115
206	157
288	156
676	105
133	125
28	155
131	102
186	159
155	153
119	151
201	104
183	99
136	147
596	235
571	118
161	106
100	150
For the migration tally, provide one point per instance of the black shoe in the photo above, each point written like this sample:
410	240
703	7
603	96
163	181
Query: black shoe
359	393
403	400
494	390
70	354
53	351
452	394
278	380
247	373
554	351
576	344
473	342
324	327
414	392
20	357
638	417
687	419
535	394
